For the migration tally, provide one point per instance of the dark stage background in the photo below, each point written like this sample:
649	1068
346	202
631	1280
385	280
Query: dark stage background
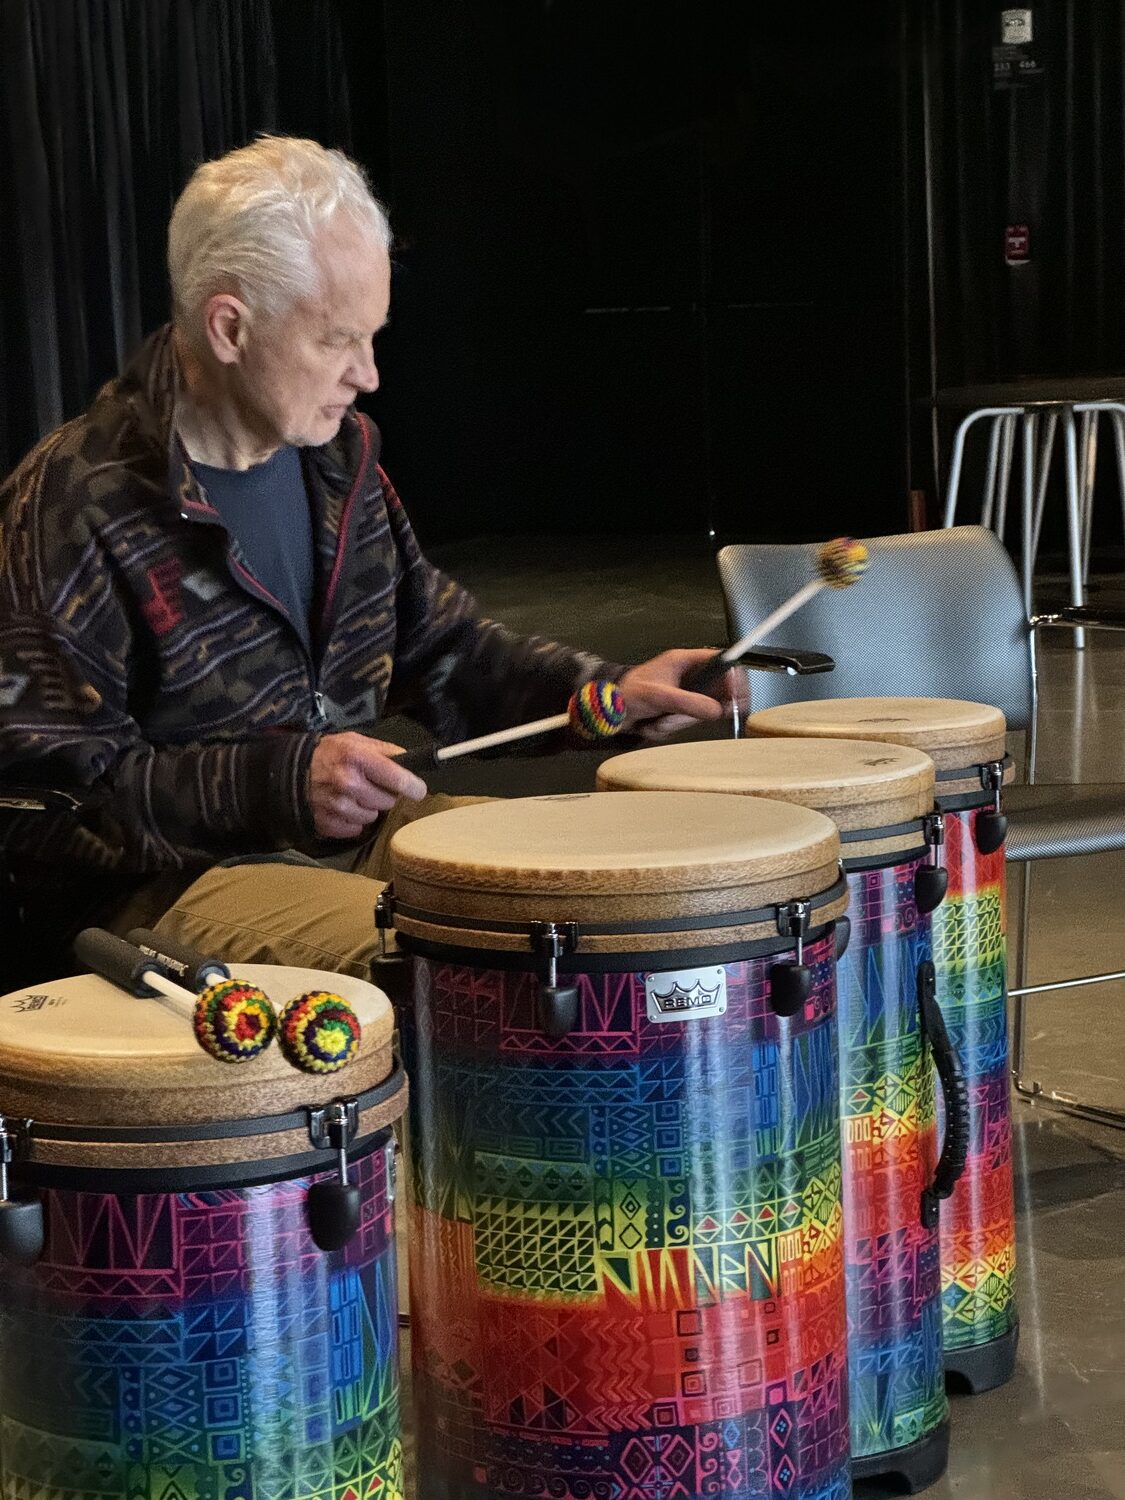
664	265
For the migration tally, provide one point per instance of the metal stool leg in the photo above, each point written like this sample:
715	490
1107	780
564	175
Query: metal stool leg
1043	474
989	503
1007	444
1073	519
958	456
1118	420
1030	423
1089	473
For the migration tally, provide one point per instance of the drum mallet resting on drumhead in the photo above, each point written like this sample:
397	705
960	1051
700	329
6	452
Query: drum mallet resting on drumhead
839	564
232	1021
318	1032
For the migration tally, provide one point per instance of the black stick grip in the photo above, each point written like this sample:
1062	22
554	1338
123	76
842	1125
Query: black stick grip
955	1092
186	965
706	676
116	960
418	761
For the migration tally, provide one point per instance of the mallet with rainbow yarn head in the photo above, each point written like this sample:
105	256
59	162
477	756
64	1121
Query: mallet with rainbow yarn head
840	563
232	1021
595	711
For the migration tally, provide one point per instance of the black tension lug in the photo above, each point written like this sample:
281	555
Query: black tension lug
22	1227
791	979
332	1208
990	827
932	881
558	1003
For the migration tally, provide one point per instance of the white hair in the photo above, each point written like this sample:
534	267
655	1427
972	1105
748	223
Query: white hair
246	223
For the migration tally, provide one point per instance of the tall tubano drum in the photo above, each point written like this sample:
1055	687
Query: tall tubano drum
881	799
978	1236
626	1238
168	1326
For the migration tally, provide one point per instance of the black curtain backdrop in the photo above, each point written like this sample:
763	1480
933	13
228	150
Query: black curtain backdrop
106	106
1048	154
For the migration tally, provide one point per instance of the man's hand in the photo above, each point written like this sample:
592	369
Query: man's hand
352	779
658	706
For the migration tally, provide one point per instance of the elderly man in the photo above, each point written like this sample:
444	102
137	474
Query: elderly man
210	594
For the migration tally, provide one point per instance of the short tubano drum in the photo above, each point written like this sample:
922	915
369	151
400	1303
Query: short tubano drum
626	1230
966	742
881	799
168	1325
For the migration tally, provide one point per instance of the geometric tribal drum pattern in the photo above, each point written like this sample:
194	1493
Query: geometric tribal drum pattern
627	1244
896	1376
978	1238
198	1346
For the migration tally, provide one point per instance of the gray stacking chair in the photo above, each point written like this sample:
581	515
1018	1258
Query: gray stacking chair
941	614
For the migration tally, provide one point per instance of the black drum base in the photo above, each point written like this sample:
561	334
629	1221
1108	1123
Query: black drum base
915	1467
982	1368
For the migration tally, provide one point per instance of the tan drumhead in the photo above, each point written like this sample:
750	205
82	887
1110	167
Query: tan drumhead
953	733
857	783
82	1051
606	858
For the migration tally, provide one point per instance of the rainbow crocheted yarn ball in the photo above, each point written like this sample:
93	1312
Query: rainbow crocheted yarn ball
234	1021
597	709
318	1032
841	562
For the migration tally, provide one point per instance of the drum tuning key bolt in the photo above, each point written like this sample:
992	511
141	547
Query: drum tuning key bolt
932	881
333	1208
558	1003
791	980
22	1233
991	826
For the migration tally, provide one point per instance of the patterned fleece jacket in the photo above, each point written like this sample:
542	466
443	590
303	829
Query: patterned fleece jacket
142	662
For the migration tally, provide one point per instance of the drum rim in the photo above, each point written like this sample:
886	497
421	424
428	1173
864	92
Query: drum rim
217	1130
635	961
116	1181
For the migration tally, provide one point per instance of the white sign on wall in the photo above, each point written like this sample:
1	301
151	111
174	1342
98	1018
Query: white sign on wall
1016	27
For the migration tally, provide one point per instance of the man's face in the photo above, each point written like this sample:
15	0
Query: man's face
301	371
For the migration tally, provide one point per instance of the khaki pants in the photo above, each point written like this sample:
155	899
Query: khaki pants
315	917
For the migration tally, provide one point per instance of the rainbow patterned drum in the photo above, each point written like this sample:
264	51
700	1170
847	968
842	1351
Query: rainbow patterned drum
978	1240
180	1334
881	799
626	1232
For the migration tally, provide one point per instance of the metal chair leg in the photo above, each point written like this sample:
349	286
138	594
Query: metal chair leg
1018	996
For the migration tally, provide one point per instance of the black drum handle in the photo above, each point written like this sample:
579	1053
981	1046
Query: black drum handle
955	1091
189	967
116	960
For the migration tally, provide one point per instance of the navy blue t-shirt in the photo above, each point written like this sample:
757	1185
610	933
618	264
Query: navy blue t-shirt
266	509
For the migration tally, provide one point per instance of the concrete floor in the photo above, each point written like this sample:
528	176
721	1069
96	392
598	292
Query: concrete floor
1057	1430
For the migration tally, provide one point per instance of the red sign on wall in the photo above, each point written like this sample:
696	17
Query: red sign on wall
1017	244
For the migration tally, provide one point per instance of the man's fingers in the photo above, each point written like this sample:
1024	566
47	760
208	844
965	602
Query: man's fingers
381	770
657	698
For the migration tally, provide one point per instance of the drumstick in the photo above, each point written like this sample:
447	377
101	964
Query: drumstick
839	563
318	1032
595	711
232	1021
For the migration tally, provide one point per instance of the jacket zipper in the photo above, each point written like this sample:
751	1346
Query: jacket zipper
209	516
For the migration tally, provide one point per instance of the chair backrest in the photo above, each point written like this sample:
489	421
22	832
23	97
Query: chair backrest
938	614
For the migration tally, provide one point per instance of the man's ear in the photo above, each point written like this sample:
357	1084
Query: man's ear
225	321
